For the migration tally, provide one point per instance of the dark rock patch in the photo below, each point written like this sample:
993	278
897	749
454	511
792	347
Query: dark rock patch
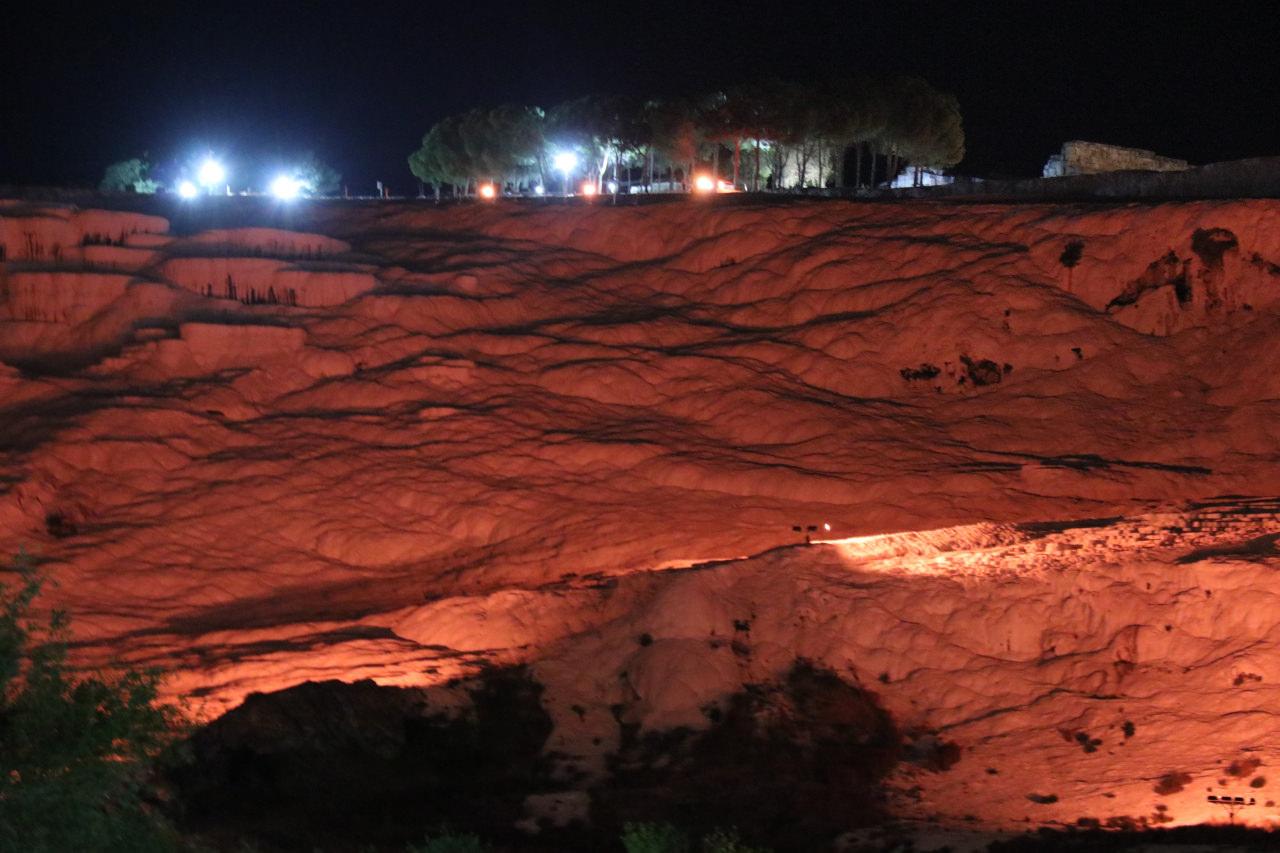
1210	244
1071	253
983	371
1166	271
924	371
1258	548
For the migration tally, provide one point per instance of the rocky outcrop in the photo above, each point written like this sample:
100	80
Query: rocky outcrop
1092	158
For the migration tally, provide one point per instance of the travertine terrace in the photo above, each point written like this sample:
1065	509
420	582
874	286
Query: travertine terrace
400	442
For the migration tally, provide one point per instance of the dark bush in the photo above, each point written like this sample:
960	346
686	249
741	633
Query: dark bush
1171	783
329	763
76	754
793	764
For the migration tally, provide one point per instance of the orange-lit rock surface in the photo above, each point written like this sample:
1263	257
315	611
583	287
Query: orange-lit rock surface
403	442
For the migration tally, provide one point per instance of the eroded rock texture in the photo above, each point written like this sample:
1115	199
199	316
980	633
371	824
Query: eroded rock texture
406	443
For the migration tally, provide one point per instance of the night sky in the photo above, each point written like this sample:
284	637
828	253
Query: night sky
84	84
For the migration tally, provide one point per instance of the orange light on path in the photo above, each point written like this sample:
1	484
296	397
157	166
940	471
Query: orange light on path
704	184
487	191
588	189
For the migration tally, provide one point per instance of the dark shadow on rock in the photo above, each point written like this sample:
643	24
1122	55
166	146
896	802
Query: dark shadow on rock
1258	548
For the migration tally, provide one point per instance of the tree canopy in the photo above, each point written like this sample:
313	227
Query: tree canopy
128	176
317	177
504	144
767	135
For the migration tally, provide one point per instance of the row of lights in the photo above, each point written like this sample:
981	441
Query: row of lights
489	192
566	162
213	174
701	184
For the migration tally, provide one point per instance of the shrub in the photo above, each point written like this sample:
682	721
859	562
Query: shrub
665	838
128	176
447	841
1171	783
653	838
727	841
76	754
815	748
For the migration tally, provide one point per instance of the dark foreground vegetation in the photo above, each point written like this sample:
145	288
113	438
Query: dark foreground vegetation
794	764
77	754
788	766
1200	837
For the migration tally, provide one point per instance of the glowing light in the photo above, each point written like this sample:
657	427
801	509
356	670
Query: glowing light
588	188
211	173
487	191
187	189
539	189
704	184
286	188
565	161
826	527
613	186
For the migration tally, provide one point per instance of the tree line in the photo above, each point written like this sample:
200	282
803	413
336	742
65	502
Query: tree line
138	175
774	135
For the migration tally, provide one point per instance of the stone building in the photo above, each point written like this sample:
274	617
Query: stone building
1091	158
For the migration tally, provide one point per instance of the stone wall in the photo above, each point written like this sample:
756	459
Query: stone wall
1092	158
1254	178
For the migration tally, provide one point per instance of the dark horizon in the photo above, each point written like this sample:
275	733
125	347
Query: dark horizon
86	85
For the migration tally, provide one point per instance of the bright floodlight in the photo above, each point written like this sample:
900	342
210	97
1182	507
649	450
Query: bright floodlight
588	188
704	184
286	187
487	191
211	173
187	189
566	161
613	186
539	189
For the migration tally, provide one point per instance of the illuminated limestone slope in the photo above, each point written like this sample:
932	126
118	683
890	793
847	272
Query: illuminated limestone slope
253	454
1117	671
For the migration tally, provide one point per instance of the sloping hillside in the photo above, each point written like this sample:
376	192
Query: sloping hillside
405	443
